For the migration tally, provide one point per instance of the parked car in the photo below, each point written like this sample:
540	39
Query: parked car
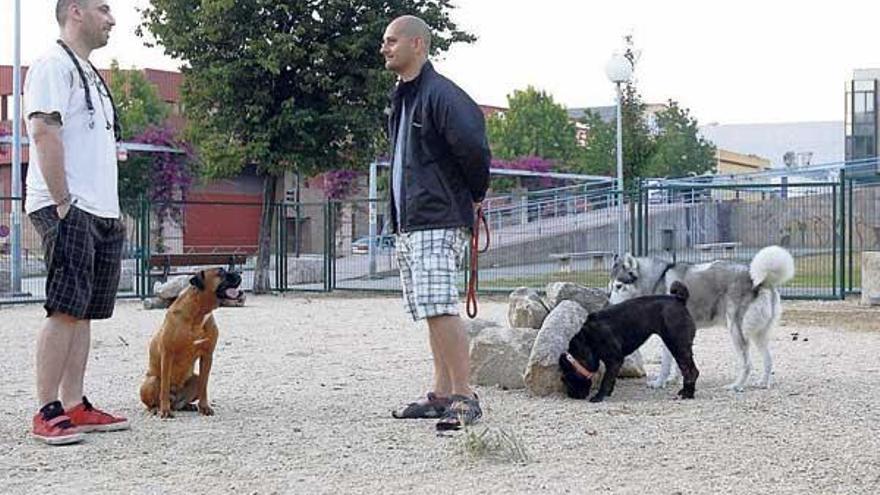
382	244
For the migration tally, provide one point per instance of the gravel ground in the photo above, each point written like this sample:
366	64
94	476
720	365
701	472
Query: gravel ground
302	387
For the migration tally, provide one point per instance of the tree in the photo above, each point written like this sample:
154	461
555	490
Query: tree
600	152
286	85
672	148
140	108
679	149
534	126
638	140
137	100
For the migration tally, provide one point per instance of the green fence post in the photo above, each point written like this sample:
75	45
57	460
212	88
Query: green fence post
327	240
842	234
849	217
284	247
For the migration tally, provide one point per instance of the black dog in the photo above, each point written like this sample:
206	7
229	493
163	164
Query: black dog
616	331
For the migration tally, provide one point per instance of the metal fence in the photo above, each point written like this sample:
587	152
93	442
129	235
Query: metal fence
567	234
704	223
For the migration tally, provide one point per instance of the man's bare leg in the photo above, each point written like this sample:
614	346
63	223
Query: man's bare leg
54	343
442	380
75	370
450	343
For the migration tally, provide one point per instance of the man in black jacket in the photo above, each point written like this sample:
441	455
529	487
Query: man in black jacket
440	174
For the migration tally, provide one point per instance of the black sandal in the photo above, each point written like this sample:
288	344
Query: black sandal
431	407
464	411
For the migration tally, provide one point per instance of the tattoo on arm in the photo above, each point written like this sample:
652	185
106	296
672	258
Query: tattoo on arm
50	119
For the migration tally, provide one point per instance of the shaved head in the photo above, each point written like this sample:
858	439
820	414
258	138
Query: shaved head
62	6
405	46
414	27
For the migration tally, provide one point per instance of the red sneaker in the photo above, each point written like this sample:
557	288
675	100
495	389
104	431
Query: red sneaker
53	427
88	419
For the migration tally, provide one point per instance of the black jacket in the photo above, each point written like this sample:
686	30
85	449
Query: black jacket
445	153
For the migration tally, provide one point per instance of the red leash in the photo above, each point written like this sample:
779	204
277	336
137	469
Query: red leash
475	253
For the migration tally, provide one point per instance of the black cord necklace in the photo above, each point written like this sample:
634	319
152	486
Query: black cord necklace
117	128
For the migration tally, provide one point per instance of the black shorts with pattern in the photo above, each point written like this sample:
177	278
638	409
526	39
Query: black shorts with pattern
83	255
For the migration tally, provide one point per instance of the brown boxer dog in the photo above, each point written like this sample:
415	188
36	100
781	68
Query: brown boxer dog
187	333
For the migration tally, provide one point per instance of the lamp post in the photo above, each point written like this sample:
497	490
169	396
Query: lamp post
15	241
619	70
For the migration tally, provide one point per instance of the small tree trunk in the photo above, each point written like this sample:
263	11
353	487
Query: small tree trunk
262	279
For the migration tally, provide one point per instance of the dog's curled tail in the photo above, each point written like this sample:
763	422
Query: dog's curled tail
772	265
680	291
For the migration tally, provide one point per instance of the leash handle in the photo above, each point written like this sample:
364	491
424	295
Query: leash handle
472	307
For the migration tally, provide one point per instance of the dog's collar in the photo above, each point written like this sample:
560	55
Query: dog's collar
578	367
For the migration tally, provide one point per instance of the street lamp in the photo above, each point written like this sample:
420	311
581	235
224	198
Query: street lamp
15	272
619	70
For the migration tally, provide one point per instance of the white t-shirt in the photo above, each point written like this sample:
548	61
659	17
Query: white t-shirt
53	85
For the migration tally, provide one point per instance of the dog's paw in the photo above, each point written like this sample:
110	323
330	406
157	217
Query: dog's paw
656	383
686	393
735	387
762	383
597	398
206	410
166	414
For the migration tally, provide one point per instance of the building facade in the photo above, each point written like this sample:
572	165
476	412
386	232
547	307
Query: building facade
861	121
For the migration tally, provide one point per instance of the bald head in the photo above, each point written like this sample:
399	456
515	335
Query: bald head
63	6
405	46
413	27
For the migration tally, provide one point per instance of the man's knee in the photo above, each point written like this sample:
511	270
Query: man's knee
65	320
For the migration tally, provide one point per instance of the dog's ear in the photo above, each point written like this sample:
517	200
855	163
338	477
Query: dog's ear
630	262
198	280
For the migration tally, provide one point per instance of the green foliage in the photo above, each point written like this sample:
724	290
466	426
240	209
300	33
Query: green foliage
534	126
287	84
137	100
140	107
673	148
680	150
599	155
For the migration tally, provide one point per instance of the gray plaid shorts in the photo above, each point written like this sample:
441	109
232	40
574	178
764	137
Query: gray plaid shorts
430	261
83	255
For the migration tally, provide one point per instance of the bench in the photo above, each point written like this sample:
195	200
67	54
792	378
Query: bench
598	259
165	262
727	248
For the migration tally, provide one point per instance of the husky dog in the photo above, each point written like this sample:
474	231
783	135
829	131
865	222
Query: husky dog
742	297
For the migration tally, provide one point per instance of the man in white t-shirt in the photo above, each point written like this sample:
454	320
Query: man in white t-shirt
73	202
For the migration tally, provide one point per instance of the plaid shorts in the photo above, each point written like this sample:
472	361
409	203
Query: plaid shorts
429	263
83	255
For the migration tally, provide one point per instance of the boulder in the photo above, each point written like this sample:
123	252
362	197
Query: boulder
870	278
589	298
171	288
499	355
526	309
633	366
477	325
542	375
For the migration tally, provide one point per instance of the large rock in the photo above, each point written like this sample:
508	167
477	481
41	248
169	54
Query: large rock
499	355
589	298
633	366
542	375
171	288
526	309
475	326
870	278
